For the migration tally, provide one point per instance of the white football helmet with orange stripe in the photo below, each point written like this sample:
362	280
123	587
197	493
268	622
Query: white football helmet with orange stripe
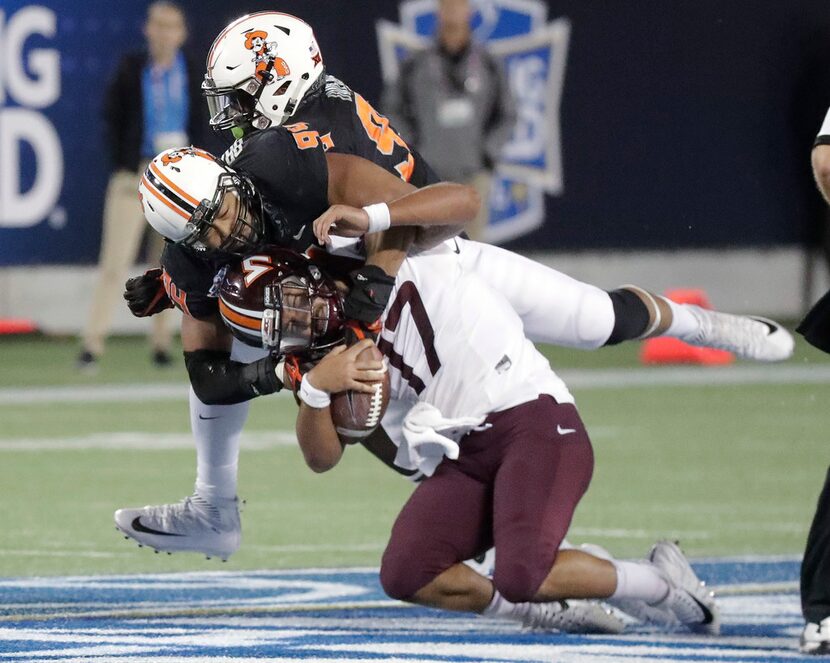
183	189
279	300
258	70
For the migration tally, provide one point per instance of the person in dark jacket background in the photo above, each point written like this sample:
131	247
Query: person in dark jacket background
152	103
453	103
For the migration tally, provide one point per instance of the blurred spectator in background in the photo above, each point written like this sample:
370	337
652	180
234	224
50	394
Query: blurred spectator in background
815	568
452	102
152	103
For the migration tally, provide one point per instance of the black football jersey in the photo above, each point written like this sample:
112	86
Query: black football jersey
288	167
192	279
291	177
343	121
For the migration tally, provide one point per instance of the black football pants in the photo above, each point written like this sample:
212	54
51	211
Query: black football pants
815	569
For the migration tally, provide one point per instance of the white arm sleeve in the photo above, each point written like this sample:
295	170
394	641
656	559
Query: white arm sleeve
825	126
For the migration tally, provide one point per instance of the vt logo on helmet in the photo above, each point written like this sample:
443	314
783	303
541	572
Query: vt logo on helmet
264	89
192	198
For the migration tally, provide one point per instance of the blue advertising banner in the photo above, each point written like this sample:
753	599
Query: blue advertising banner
534	54
56	59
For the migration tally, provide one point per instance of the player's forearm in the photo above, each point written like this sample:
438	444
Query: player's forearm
318	438
441	204
389	249
431	236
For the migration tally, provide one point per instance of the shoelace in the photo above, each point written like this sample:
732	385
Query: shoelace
193	506
726	331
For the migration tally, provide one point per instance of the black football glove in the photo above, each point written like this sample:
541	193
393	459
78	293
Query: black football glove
146	295
371	289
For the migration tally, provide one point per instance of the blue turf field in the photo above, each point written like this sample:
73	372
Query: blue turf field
342	614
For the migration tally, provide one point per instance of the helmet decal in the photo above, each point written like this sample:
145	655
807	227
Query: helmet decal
171	157
255	41
265	51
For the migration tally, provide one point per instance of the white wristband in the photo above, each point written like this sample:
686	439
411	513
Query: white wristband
379	217
312	396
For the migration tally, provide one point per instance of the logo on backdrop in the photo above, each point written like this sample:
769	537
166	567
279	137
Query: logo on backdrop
29	79
534	52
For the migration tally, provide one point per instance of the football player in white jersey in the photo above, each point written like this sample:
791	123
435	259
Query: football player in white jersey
493	428
581	315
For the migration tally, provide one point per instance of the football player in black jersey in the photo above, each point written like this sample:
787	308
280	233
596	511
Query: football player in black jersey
210	215
285	79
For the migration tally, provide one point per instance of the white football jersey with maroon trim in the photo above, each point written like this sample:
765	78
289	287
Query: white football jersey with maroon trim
454	342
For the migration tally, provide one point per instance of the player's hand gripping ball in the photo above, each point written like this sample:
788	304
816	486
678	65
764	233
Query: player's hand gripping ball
356	414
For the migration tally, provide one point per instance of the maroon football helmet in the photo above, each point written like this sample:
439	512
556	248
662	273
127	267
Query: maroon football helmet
279	300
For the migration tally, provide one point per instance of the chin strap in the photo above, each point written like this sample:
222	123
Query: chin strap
357	331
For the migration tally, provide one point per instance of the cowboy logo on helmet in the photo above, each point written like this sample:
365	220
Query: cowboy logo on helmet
265	52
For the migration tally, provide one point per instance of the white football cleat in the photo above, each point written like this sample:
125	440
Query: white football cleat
192	525
815	638
572	617
749	337
688	598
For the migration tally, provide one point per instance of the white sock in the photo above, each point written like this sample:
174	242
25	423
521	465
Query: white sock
639	580
683	325
501	608
217	430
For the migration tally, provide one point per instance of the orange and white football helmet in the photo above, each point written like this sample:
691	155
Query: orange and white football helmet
259	69
181	192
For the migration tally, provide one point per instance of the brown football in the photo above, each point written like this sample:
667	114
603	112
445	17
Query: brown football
356	414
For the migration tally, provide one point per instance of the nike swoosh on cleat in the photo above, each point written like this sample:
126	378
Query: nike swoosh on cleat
772	328
457	248
138	527
708	617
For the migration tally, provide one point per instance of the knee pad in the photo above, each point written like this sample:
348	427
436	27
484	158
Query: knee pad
631	316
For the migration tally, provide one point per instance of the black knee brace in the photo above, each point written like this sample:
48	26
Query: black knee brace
631	316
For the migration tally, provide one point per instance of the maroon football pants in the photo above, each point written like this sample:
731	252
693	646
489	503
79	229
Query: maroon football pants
515	485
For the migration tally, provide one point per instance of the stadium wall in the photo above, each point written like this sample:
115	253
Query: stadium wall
767	281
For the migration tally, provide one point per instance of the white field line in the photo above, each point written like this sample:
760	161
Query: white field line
694	376
286	549
140	441
578	379
160	610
